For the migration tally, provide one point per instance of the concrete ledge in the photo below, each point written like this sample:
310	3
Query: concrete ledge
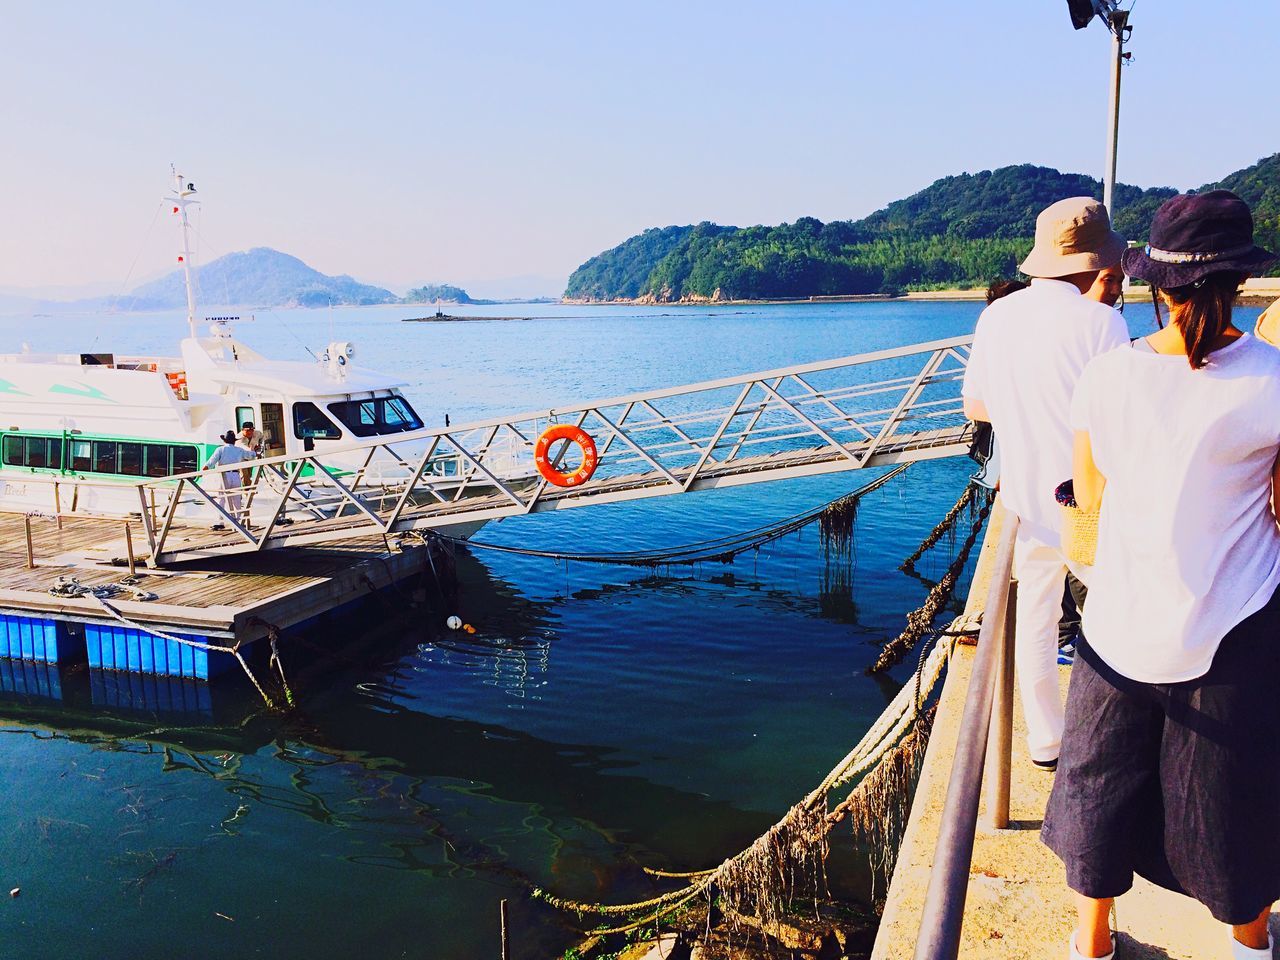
1018	903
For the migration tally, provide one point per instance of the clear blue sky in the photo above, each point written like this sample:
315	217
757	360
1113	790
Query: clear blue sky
480	142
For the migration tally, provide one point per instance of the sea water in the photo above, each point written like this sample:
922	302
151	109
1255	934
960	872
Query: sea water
600	719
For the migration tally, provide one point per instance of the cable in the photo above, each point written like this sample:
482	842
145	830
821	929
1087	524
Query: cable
722	549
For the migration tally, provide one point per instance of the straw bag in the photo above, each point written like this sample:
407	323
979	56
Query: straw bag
1079	527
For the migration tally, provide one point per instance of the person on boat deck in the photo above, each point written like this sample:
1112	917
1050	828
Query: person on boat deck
227	455
252	440
1170	764
1029	350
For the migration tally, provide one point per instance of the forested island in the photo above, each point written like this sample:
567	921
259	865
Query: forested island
960	231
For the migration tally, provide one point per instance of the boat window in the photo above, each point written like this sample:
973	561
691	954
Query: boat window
399	411
81	456
41	452
243	415
184	460
104	456
130	459
157	463
37	451
376	416
308	421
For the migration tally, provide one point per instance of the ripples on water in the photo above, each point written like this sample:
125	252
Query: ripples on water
599	719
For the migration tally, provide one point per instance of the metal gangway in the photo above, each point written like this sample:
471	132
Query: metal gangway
869	410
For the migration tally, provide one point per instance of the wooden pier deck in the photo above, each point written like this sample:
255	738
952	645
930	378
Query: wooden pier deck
231	598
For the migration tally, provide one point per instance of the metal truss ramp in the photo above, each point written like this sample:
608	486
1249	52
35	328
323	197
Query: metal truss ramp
870	410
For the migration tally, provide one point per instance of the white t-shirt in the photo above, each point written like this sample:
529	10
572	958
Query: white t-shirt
1187	542
225	456
1029	350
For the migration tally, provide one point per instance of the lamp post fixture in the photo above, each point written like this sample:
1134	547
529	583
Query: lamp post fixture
1117	21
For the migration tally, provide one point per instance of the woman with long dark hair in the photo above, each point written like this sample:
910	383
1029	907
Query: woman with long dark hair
1170	764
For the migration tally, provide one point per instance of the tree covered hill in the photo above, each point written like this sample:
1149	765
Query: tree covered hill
431	292
959	231
1259	186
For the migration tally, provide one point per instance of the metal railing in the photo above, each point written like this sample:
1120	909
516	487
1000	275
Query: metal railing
986	740
871	409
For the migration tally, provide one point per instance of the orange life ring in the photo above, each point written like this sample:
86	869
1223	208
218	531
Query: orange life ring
576	435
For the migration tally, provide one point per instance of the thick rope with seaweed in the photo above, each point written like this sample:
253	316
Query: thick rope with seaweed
945	525
836	518
763	879
920	621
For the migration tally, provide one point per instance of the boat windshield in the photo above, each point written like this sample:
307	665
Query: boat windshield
376	416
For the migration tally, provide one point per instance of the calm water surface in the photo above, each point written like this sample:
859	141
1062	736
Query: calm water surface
599	720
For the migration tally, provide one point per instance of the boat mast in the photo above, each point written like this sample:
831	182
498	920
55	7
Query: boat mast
181	199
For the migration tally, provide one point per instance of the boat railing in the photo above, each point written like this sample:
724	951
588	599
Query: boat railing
982	758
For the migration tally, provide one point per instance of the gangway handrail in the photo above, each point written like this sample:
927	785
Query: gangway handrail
428	433
871	409
990	694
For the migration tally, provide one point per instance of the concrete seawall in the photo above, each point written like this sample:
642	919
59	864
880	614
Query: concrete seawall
1018	903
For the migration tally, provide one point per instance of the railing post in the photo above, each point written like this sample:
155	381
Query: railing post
31	553
942	918
128	547
1000	742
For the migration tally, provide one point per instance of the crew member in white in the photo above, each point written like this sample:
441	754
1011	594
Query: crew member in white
1029	350
227	455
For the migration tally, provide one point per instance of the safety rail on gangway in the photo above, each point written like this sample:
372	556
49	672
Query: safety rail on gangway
873	409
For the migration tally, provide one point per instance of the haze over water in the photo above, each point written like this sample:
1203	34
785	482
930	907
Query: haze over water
601	717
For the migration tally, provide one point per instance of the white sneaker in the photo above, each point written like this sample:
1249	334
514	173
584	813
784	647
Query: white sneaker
1077	955
1240	952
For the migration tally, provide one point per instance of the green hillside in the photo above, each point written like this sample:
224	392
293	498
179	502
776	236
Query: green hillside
959	231
1259	186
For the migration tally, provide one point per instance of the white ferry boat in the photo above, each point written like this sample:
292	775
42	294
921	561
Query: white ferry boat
78	430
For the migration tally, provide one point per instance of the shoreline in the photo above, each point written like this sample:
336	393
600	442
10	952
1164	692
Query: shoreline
1257	292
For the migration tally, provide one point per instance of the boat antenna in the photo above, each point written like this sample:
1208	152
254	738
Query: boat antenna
180	200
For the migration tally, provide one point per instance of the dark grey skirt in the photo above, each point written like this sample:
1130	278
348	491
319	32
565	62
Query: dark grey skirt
1179	782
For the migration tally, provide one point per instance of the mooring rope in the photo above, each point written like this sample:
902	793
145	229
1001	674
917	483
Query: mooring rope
233	650
945	525
799	837
69	586
920	620
722	549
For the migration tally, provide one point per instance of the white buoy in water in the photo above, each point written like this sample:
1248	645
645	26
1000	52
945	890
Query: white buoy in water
454	623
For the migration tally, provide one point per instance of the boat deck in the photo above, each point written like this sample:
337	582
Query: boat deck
233	598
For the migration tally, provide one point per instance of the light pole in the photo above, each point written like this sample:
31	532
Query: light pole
1117	21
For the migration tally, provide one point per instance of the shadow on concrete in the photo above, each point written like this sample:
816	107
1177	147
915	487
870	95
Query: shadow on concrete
1132	949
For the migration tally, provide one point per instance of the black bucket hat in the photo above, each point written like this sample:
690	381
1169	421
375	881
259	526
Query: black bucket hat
1194	235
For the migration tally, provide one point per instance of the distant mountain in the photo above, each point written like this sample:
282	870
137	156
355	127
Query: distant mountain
431	292
959	231
257	277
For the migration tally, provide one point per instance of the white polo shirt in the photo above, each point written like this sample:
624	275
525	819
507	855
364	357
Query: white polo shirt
1029	350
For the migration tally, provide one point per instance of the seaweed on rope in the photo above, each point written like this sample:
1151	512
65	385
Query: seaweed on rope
788	861
835	517
920	620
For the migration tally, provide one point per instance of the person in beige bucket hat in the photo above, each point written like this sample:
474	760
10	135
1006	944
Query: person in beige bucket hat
1028	352
1073	236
